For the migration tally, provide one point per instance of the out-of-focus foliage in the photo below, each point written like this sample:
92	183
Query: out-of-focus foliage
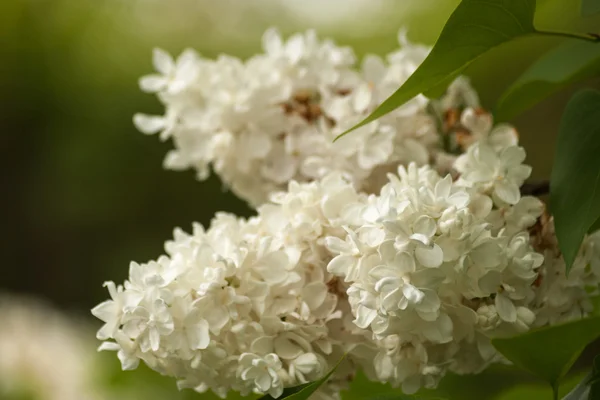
589	7
569	63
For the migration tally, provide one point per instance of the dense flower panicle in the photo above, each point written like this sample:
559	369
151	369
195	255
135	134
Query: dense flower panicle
406	245
271	119
561	297
427	272
246	305
410	283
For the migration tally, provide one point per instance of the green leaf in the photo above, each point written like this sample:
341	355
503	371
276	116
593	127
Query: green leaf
550	352
571	62
595	226
303	392
575	179
401	396
541	390
589	7
475	27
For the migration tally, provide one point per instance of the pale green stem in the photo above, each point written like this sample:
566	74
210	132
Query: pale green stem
591	37
555	391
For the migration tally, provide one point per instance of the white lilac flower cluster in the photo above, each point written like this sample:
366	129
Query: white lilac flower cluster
246	305
409	283
429	276
410	274
263	122
44	354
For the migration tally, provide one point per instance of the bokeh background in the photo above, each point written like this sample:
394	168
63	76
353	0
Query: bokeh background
84	193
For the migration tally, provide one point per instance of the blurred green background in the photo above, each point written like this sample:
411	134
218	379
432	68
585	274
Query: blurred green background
85	193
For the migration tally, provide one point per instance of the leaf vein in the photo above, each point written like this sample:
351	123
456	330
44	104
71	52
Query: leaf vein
507	12
487	28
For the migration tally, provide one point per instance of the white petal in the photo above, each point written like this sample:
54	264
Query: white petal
507	191
481	206
107	331
153	83
429	257
364	317
198	336
411	385
263	382
443	187
375	151
341	265
506	309
387	284
430	302
373	68
412	294
450	248
276	391
425	225
459	199
488	254
513	155
306	363
526	315
372	236
489	283
294	48
154	337
439	331
109	346
483	174
391	301
420	238
478	123
519	173
105	311
148	124
127	363
404	263
163	62
361	98
271	41
314	294
382	271
503	135
337	245
273	267
286	349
